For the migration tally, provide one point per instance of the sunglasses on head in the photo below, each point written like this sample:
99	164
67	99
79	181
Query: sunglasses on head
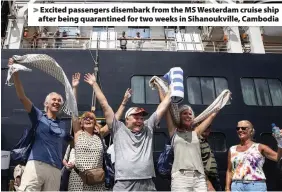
243	128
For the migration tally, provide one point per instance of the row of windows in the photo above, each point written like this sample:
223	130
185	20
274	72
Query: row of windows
204	90
145	32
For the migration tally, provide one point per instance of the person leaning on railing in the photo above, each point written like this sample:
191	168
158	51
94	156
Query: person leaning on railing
246	160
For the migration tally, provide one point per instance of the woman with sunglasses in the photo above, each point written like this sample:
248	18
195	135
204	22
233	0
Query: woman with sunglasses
187	170
245	161
88	146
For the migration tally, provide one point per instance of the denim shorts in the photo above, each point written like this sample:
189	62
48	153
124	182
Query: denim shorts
248	186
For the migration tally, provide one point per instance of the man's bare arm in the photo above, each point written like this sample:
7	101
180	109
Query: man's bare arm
20	90
105	130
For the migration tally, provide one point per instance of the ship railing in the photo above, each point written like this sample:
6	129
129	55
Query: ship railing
161	44
54	43
148	44
273	47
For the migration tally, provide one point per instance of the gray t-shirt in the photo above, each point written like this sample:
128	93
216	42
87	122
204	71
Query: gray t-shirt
134	152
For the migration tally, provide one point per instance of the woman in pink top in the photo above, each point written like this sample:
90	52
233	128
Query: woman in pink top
245	161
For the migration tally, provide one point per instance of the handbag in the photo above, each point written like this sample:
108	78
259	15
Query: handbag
99	175
91	176
20	153
165	160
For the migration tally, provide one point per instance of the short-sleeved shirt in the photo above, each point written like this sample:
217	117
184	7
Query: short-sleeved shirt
50	135
111	151
134	151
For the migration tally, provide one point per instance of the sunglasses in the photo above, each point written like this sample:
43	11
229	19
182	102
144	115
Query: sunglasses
243	128
88	118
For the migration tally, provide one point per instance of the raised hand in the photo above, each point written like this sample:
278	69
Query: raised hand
90	78
127	95
75	79
70	165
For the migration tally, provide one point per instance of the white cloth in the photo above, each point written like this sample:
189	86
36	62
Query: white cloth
173	108
175	80
48	65
15	68
111	151
218	104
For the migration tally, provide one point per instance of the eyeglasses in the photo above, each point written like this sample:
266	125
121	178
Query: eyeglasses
243	128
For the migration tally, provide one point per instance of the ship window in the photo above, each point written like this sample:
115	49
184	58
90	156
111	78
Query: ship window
171	30
103	29
145	32
262	92
204	90
217	141
142	93
70	31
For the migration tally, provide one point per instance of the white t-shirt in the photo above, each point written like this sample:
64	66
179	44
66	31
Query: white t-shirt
111	151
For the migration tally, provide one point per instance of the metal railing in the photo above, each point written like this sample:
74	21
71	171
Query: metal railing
272	47
150	44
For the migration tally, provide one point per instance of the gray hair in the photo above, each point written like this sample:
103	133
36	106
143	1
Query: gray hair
47	99
186	107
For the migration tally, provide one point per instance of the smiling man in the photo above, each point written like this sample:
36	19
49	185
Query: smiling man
133	142
43	168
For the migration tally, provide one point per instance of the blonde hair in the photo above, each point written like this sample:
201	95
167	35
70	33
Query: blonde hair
253	131
47	99
90	114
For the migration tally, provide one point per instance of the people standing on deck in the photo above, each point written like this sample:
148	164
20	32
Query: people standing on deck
43	168
138	42
209	162
133	142
88	145
246	160
123	42
187	170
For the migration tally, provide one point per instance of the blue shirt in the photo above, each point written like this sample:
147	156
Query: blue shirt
50	135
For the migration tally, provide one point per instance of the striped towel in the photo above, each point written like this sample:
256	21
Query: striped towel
48	65
175	81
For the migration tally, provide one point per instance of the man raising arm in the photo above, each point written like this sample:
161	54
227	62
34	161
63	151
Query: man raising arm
132	142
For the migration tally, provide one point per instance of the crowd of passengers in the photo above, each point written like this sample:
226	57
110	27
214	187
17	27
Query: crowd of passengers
194	166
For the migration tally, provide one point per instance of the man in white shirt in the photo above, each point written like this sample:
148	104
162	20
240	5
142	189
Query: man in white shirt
111	151
138	42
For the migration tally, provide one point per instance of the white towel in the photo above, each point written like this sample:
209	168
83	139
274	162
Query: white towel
175	80
15	68
48	65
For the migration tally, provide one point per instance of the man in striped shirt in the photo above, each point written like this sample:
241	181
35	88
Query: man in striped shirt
209	162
